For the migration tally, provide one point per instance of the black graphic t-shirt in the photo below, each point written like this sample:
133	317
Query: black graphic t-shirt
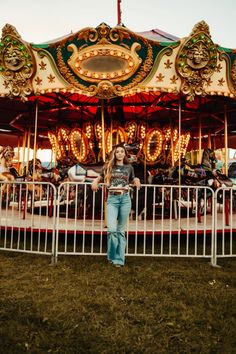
121	176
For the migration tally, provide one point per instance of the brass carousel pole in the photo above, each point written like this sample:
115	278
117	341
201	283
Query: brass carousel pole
35	138
103	155
28	149
18	153
200	141
209	140
23	152
103	131
226	140
172	143
179	163
179	141
111	129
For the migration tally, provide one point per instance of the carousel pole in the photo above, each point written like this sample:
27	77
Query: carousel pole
179	164
103	131
111	128
23	152
209	140
179	141
200	141
35	137
18	153
172	143
28	149
119	23
226	140
104	157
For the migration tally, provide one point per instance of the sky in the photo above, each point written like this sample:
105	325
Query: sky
45	20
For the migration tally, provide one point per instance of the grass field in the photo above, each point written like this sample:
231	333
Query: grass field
84	305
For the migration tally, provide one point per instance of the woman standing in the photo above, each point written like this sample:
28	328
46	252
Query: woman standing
117	175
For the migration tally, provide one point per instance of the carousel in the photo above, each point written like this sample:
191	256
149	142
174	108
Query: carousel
81	94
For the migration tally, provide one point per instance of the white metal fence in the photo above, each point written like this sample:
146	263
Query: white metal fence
166	220
28	217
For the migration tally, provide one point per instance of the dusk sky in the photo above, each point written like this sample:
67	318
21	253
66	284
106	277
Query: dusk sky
45	20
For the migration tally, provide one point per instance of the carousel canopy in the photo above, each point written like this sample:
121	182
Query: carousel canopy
152	77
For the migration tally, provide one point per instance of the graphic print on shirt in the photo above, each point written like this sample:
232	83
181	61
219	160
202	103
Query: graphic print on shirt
121	176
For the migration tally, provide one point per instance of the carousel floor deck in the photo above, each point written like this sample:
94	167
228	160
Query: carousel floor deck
12	219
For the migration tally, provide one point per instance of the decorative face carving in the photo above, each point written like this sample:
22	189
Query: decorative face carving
198	56
13	58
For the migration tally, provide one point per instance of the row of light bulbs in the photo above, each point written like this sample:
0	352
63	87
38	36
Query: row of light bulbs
130	92
81	141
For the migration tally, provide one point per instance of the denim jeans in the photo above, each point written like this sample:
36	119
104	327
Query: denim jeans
118	209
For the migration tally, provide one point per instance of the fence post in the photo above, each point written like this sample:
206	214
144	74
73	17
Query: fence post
214	232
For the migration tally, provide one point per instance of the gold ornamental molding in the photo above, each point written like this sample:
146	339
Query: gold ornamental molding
17	63
103	63
196	61
233	74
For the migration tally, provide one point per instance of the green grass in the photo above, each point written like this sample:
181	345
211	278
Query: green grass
84	305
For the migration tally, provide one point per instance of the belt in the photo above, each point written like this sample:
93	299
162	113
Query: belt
117	192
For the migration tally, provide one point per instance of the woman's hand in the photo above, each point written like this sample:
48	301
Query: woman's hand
94	184
136	182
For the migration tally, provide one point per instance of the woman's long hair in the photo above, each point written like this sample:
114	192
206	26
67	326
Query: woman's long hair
112	162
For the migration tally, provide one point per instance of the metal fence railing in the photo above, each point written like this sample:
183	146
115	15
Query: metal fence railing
225	223
27	217
165	221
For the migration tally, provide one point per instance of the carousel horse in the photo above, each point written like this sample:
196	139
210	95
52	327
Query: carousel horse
34	174
232	176
6	157
232	172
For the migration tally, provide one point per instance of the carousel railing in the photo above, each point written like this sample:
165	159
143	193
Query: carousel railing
165	221
225	222
28	217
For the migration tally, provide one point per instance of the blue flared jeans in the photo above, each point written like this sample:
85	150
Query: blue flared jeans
118	209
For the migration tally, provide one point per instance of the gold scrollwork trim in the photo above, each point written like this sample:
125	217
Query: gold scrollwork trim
233	74
144	70
105	88
196	61
103	34
17	63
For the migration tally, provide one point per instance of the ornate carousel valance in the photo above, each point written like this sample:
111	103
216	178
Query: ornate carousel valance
107	62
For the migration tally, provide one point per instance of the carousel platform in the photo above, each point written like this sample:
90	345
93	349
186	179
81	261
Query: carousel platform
13	219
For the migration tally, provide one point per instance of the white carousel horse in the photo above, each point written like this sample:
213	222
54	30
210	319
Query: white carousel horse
83	173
